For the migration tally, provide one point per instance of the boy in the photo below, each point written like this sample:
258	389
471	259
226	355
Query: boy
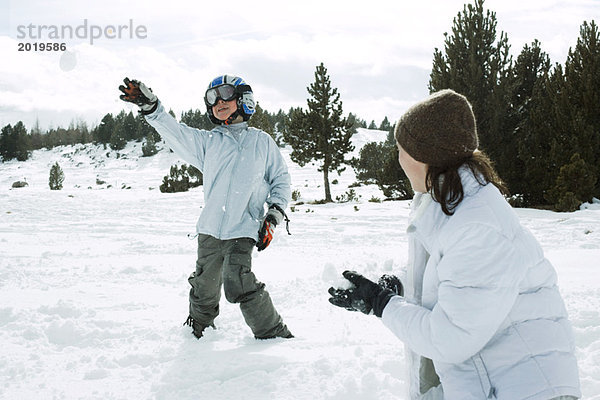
242	170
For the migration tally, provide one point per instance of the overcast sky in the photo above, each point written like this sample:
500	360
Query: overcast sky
378	53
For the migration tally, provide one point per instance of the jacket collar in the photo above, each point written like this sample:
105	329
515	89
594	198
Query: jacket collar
227	129
470	184
427	217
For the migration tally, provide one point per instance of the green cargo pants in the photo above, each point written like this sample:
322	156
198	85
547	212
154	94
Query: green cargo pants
227	263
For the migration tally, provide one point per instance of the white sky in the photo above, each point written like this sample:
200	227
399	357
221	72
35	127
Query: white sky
378	53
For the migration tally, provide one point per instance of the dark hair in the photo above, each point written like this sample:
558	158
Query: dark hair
446	187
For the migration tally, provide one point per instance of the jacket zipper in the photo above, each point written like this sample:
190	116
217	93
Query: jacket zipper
237	159
484	378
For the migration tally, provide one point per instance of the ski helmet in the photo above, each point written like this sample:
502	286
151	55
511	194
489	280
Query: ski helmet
226	88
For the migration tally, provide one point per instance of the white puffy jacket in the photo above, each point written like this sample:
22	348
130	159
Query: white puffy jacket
482	302
239	175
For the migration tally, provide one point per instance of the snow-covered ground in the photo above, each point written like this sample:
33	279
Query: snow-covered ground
93	288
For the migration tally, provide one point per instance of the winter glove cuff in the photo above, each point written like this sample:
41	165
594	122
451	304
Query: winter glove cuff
265	233
147	109
274	215
382	300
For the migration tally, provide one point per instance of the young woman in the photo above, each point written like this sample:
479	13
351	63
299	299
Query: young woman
481	316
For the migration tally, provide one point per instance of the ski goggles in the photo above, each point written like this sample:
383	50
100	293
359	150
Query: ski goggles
224	92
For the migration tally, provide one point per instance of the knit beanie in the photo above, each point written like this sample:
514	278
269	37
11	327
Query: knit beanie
440	130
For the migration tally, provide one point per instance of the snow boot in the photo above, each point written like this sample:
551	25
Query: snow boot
282	332
197	327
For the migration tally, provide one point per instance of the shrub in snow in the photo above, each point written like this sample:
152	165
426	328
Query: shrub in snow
350	195
575	184
180	179
378	163
57	177
19	184
568	202
296	195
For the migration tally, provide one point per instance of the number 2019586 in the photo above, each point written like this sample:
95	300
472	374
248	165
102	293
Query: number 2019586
42	46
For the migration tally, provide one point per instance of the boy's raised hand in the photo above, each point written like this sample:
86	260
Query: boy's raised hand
137	93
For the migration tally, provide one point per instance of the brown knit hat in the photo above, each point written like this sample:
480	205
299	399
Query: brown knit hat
440	130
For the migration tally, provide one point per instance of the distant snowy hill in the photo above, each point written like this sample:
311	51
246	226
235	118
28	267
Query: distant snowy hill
84	165
93	287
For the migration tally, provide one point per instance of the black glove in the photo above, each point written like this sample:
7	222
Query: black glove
136	92
366	296
265	233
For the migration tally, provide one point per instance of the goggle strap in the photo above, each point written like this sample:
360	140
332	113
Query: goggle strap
243	88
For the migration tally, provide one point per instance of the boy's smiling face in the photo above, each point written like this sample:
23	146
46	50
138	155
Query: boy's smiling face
223	109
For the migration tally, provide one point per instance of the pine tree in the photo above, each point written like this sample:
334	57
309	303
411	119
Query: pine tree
260	119
117	138
354	123
21	142
322	133
57	177
197	119
475	62
14	142
35	134
281	120
564	121
103	132
385	125
121	131
530	69
130	128
540	138
6	146
580	100
83	133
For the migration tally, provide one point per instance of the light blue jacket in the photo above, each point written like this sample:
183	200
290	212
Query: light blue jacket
482	302
240	176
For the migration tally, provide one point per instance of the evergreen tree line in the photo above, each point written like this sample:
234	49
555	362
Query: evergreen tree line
538	121
16	142
275	124
117	131
114	131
